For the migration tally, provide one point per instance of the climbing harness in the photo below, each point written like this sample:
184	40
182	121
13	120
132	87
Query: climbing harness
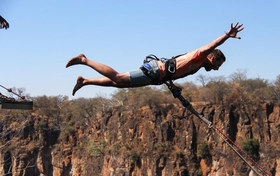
170	67
176	91
11	103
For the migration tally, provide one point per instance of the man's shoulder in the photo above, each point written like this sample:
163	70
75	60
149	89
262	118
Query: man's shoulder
192	54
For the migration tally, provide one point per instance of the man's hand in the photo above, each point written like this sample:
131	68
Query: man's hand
234	30
206	49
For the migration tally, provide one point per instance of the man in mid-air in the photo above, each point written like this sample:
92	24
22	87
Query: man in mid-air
156	71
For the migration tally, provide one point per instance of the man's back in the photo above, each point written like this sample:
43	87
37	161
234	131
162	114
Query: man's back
189	63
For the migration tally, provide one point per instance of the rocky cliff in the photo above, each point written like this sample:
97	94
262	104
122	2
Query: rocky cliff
151	140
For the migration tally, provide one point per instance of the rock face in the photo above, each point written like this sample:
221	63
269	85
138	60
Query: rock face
149	141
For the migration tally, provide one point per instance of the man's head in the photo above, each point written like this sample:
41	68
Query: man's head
215	59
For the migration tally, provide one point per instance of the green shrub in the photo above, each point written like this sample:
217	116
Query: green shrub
251	147
128	146
162	148
134	157
96	149
203	150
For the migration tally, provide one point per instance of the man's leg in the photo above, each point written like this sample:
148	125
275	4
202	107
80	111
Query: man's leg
103	81
100	68
112	78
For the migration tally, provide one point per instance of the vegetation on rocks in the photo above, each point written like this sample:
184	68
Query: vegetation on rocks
145	131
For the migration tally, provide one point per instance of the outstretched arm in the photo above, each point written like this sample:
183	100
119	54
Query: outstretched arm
232	32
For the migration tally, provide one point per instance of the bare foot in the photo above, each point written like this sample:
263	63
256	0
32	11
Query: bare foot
79	84
81	59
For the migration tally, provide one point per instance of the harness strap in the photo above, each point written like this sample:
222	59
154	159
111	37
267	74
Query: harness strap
151	57
170	68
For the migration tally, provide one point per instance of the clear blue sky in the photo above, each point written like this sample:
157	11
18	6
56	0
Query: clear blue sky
44	35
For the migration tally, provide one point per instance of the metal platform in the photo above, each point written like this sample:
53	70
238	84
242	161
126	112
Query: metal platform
16	104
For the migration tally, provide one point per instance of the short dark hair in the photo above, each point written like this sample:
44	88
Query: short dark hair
218	55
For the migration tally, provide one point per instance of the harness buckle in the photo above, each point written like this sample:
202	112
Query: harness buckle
172	66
